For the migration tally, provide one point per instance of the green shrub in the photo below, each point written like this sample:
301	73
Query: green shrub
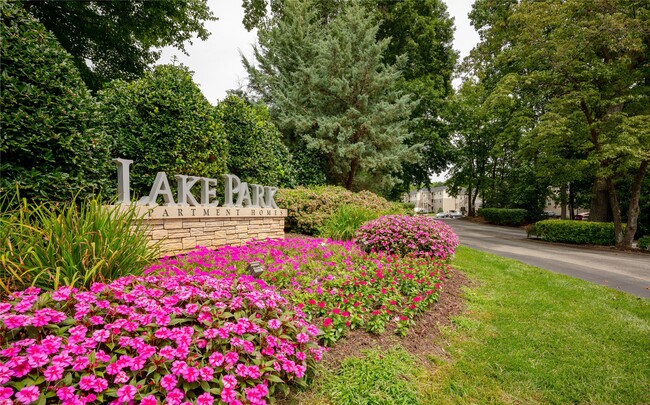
255	150
71	244
163	123
310	208
504	216
53	144
644	243
578	232
343	224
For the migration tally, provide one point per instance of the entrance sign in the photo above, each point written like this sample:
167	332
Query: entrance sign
260	197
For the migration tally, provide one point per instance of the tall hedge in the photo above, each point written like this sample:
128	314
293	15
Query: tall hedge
52	141
163	122
255	150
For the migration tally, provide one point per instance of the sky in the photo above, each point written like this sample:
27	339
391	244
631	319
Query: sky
216	62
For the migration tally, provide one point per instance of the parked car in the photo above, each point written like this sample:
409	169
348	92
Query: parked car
443	215
455	215
551	214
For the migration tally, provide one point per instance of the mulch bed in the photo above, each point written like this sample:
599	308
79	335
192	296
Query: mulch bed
422	340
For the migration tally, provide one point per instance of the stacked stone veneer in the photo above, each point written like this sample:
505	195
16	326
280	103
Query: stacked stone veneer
181	229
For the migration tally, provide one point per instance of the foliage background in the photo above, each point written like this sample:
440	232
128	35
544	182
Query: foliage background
53	141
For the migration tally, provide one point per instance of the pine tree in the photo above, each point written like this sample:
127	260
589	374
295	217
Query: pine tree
336	95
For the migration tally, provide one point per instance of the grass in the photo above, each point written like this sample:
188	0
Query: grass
527	336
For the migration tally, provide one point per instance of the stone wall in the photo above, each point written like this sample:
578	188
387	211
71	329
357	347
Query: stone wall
181	229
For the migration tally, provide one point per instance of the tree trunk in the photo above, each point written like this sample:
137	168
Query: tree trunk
616	212
571	202
601	209
633	209
472	203
563	200
354	165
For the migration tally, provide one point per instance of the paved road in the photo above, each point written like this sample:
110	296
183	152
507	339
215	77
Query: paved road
625	271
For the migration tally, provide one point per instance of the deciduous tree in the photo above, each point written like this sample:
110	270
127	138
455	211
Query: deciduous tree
119	39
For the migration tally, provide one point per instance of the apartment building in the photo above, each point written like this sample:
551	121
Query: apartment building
438	199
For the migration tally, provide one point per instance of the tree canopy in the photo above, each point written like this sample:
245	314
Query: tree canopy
573	76
119	39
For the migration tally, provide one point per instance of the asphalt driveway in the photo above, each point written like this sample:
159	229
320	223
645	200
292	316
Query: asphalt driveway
625	271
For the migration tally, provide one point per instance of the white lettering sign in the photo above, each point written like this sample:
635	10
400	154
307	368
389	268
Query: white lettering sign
261	196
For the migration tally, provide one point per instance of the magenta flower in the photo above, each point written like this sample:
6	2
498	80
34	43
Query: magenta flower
5	393
65	393
228	395
205	399
148	400
229	381
28	394
126	393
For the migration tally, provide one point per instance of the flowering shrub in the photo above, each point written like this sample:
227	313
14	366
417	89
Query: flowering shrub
402	235
151	340
334	283
310	208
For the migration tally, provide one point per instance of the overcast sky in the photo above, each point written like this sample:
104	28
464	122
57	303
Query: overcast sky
217	63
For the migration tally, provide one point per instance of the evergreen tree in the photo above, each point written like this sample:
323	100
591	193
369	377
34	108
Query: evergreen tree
335	94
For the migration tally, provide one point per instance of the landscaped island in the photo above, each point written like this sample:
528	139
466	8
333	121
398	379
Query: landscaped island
198	328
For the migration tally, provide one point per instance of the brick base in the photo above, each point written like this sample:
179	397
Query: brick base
181	235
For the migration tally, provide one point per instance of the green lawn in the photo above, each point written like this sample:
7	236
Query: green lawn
527	336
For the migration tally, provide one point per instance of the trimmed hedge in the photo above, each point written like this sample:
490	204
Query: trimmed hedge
163	123
310	208
504	216
255	150
578	232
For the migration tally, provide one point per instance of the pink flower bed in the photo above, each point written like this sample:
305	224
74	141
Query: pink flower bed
337	285
149	340
404	235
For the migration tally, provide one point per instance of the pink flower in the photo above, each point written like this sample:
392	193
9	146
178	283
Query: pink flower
28	394
5	393
86	382
190	374
65	393
207	373
229	381
228	395
148	400
121	378
205	399
126	393
216	359
175	396
274	324
100	385
232	357
253	372
302	338
168	382
5	374
178	367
